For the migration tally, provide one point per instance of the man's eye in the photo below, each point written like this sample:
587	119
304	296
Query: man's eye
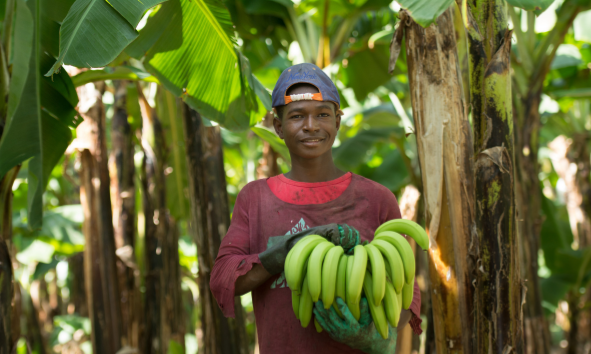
296	116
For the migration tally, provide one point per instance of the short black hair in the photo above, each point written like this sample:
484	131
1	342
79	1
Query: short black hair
281	109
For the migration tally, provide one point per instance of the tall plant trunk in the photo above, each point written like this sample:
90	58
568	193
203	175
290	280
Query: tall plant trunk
209	223
122	169
163	306
268	166
32	328
100	268
571	160
528	82
78	302
498	300
444	147
8	320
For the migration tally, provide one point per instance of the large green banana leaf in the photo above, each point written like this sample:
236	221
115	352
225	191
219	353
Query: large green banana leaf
425	12
95	31
195	58
41	109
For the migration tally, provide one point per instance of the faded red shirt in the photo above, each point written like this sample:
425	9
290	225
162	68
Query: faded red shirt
260	217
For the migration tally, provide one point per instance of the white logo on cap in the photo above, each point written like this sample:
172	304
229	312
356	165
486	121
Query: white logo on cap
302	96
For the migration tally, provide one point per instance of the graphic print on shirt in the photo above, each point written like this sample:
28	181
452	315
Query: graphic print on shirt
300	226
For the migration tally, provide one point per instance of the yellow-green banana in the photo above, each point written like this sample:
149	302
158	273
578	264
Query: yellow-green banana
317	325
404	250
399	297
330	269
306	305
355	280
407	294
315	269
378	271
391	305
295	303
392	256
407	227
295	269
377	312
341	290
355	275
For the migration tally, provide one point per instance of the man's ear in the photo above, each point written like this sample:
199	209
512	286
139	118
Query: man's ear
277	124
339	114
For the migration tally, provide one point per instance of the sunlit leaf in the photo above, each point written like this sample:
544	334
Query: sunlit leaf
538	6
425	12
42	118
195	58
117	73
276	143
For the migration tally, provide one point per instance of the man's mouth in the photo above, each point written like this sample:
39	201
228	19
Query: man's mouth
312	141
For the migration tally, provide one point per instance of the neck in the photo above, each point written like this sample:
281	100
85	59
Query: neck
320	169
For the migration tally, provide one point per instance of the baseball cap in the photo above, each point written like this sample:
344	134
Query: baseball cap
305	73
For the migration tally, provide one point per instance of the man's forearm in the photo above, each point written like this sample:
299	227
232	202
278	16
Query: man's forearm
251	280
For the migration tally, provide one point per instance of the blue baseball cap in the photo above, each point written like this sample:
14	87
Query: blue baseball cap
309	74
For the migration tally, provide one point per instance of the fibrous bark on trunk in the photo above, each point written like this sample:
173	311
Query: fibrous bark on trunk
209	223
572	162
499	290
268	166
102	287
7	288
530	71
444	145
122	169
163	305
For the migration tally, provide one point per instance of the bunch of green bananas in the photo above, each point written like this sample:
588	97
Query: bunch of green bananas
317	269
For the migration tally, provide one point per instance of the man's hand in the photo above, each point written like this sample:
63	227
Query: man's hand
273	259
360	334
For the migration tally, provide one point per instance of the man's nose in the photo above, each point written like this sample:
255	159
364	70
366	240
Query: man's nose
310	123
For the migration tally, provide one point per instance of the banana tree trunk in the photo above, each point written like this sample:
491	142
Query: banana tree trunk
122	169
163	298
499	290
7	290
528	81
444	147
209	223
571	160
268	166
100	268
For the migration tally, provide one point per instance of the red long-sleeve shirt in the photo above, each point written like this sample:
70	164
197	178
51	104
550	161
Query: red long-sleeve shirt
267	209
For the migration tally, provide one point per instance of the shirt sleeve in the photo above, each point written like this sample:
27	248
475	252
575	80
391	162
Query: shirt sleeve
234	258
390	210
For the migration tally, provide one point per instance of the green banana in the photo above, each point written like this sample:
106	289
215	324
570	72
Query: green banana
378	271
341	290
356	273
392	256
306	305
377	311
407	294
315	269
407	227
295	269
399	297
355	280
317	325
391	305
295	303
404	250
329	275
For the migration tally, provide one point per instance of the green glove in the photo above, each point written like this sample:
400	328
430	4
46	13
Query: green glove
273	259
361	334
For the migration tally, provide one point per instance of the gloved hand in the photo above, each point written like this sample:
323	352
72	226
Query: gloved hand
273	259
361	334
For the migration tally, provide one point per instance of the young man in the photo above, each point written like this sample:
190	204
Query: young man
315	197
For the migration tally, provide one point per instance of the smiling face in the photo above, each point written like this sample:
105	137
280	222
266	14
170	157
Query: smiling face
307	127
